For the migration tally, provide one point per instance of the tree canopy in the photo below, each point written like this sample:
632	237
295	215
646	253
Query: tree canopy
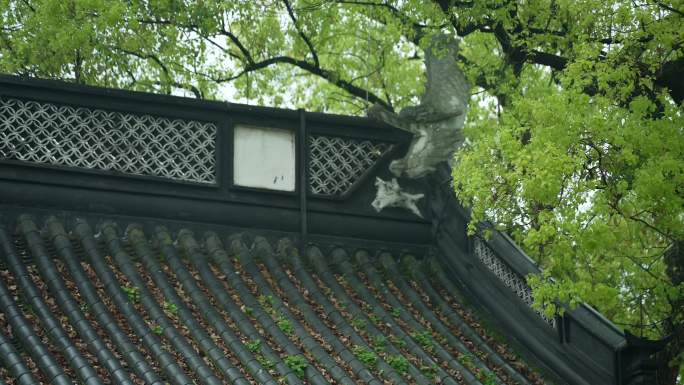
575	136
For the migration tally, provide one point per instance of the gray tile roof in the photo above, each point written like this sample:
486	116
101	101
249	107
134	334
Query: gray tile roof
106	304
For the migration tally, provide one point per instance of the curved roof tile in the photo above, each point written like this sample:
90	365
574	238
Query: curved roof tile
135	306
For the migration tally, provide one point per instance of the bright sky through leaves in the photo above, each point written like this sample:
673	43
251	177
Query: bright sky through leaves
576	142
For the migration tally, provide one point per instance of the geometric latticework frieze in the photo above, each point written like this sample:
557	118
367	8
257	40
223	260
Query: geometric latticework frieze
510	278
95	139
335	164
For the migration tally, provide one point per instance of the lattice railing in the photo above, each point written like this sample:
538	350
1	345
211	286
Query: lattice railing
48	133
510	278
335	164
141	144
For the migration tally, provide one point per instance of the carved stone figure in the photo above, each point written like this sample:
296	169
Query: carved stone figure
391	195
437	122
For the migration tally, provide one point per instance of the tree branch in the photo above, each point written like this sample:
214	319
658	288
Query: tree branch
252	65
546	59
301	33
146	56
238	43
417	28
461	30
314	70
669	8
669	75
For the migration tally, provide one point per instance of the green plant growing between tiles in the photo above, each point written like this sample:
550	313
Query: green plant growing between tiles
376	320
379	343
468	360
398	363
423	338
429	371
254	346
248	311
368	357
297	363
265	362
132	292
285	325
398	342
358	323
157	329
487	378
266	300
170	307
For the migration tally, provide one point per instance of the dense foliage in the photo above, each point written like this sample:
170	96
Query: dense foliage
575	133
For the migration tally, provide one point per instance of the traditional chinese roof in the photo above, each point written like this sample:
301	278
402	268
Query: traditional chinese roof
147	304
137	245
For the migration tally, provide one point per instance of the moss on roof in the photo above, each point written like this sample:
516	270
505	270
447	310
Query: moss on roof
142	305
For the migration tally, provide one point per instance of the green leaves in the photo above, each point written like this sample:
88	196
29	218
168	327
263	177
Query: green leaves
590	189
366	356
398	363
583	167
297	363
132	292
254	346
423	338
574	136
170	308
358	323
285	325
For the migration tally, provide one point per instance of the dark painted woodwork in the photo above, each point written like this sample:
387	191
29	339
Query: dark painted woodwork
584	349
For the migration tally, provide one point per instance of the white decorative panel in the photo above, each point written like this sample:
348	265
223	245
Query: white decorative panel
264	158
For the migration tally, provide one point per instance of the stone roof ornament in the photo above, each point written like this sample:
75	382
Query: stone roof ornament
391	195
437	122
72	156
